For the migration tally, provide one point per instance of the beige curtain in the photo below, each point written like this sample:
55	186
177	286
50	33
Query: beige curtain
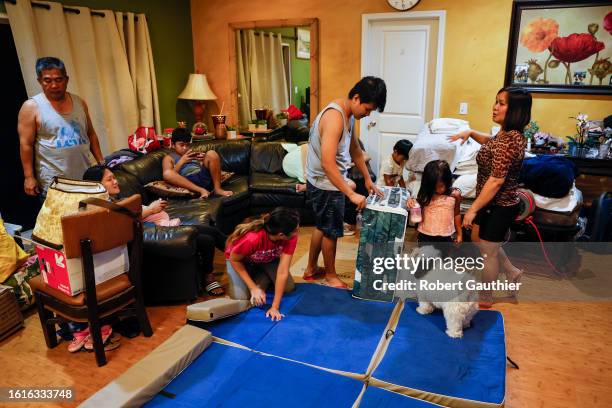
120	92
261	73
245	110
134	34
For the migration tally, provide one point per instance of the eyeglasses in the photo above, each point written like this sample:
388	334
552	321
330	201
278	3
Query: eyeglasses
57	80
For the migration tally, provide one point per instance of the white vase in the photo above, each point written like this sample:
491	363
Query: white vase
252	126
231	134
262	127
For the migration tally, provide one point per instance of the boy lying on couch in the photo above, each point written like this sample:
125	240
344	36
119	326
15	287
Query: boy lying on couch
196	171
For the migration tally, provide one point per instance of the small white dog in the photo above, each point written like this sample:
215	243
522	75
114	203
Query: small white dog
458	306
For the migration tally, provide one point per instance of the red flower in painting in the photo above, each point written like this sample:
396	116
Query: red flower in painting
575	47
607	23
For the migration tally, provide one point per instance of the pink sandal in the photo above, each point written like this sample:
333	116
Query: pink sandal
106	330
78	341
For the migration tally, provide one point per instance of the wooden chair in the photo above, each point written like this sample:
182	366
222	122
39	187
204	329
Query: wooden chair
86	233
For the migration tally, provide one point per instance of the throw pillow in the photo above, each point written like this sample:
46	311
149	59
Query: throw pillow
165	190
225	175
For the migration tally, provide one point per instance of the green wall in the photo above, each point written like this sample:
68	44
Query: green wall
300	68
170	31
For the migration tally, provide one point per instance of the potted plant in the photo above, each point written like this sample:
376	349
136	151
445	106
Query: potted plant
231	132
262	124
282	119
530	130
252	125
577	143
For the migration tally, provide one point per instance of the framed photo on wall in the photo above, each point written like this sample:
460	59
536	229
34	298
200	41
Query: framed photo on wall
302	48
561	46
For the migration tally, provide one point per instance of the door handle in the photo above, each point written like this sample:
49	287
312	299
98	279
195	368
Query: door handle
371	124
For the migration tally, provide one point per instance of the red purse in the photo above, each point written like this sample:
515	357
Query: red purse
143	140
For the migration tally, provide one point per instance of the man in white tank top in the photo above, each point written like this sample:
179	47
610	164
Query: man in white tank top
331	147
55	131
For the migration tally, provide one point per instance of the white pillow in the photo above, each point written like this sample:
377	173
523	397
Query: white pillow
467	185
292	163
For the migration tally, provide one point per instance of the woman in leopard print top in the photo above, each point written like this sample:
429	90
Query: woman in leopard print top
499	165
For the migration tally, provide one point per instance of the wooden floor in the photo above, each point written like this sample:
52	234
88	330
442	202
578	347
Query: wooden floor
564	351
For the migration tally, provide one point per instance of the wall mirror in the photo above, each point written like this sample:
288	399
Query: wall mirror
273	64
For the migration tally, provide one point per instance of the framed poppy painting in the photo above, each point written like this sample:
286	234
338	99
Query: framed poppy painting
561	46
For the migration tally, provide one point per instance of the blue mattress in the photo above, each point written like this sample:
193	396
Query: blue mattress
421	356
225	376
379	398
323	326
250	327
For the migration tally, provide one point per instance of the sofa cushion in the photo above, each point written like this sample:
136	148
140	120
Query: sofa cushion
172	242
204	211
195	211
271	200
297	131
273	183
235	154
267	157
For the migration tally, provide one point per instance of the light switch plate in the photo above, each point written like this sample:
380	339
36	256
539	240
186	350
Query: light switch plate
463	108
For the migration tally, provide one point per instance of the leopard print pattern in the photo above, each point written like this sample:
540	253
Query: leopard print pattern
502	157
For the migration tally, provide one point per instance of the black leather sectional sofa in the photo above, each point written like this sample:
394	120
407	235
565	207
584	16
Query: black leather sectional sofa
171	271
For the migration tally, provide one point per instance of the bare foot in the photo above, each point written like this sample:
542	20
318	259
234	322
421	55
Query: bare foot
224	193
317	272
516	276
300	187
335	282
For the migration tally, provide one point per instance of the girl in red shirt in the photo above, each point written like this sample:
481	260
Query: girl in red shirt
258	253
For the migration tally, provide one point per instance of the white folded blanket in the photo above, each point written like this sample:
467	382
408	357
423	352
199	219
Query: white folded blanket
466	167
447	125
565	204
467	152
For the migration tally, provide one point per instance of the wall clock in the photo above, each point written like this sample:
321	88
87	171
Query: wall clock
403	5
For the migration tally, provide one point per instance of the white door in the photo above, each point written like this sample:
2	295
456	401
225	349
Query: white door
404	49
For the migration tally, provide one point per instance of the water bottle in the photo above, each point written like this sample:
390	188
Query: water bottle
415	214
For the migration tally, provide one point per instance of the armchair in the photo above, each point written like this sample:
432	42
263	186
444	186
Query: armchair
85	234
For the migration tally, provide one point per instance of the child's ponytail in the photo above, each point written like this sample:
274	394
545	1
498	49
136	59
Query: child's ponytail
280	220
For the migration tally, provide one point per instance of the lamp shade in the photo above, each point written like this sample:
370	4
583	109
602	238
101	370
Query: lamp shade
197	89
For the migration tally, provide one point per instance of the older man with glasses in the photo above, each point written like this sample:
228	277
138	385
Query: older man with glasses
55	131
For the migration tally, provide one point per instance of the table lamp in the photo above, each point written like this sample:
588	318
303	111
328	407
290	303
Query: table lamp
197	90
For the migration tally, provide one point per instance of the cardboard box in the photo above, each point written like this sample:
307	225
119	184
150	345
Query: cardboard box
66	275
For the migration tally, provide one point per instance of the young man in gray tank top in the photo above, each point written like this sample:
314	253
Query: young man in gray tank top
331	147
55	131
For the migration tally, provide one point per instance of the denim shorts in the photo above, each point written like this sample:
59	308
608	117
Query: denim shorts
328	207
